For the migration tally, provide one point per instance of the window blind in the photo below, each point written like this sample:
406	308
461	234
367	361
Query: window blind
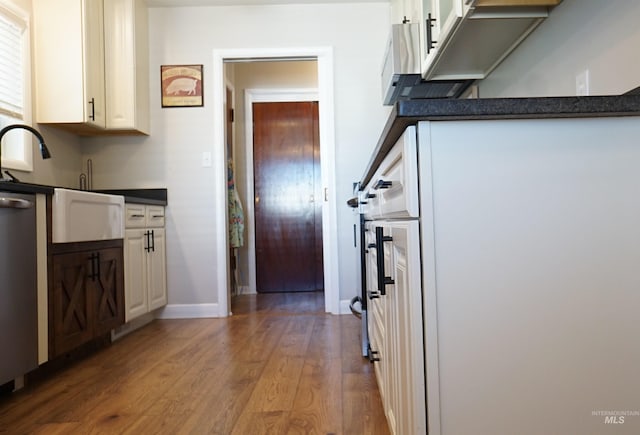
11	66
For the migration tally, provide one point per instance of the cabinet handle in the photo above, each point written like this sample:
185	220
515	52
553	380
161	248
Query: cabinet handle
382	184
373	355
156	216
373	294
94	268
98	265
383	280
430	41
137	216
153	242
147	246
93	109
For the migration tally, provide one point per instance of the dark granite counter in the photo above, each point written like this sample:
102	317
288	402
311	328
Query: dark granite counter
10	186
410	112
140	196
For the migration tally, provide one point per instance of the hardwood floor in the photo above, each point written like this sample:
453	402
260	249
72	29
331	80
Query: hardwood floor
279	365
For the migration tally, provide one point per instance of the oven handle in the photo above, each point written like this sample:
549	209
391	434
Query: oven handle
354	310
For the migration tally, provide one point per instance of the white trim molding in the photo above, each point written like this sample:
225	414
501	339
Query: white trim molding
189	311
344	306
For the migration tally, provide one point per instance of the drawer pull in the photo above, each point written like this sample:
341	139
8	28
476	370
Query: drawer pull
383	184
136	216
156	216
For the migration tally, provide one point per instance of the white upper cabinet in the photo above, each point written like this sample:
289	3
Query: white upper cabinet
69	62
91	65
467	39
127	67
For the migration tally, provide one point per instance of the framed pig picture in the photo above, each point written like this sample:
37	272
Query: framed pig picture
181	85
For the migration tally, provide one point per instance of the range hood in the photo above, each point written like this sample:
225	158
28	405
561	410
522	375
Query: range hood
401	78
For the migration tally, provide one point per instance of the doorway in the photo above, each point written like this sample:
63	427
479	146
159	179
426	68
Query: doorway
324	58
287	192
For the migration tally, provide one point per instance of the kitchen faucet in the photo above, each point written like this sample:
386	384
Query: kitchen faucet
44	151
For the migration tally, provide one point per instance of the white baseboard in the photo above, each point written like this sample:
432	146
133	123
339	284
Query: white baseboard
245	290
131	326
344	306
189	311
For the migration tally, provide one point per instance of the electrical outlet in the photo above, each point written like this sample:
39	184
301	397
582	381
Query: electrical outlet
582	83
206	159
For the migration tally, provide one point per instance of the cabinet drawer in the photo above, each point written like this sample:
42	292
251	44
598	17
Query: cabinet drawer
155	216
135	216
394	187
144	216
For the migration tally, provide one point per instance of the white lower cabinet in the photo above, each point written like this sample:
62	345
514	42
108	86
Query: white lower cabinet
145	260
394	288
395	325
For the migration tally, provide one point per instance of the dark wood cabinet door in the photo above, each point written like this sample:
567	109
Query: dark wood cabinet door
70	309
86	297
108	291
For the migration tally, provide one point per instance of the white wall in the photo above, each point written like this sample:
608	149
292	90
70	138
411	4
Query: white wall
171	156
602	37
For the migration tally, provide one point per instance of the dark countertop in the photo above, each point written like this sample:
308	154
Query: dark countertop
138	196
409	112
10	186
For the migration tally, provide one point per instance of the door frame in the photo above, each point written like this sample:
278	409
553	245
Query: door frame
263	96
324	58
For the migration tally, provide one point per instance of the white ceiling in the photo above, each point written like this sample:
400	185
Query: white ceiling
163	3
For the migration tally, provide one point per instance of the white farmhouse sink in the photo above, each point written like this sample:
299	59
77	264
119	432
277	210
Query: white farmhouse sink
80	216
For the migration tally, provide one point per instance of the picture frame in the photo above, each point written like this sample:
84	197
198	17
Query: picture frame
181	85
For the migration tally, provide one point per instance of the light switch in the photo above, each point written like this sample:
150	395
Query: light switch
206	159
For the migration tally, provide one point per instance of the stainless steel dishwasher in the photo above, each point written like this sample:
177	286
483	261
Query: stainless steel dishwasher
18	286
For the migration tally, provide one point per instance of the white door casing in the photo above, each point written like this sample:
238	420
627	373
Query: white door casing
324	57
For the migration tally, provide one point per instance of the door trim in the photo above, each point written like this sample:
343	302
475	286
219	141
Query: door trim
263	96
324	57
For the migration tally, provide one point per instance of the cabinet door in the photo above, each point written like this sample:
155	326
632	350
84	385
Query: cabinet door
135	274
108	291
93	32
126	65
70	306
68	61
157	269
405	306
439	21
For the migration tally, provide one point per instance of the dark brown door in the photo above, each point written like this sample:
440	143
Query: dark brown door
288	203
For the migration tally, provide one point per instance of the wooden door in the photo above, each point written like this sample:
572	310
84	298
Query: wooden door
288	203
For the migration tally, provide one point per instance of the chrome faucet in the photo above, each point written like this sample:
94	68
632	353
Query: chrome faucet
44	151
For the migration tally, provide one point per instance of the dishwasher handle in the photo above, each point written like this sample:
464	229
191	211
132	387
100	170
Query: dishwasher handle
8	202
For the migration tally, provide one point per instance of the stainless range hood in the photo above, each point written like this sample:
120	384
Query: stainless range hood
401	79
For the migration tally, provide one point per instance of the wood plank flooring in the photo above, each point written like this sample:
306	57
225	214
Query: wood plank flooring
279	365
